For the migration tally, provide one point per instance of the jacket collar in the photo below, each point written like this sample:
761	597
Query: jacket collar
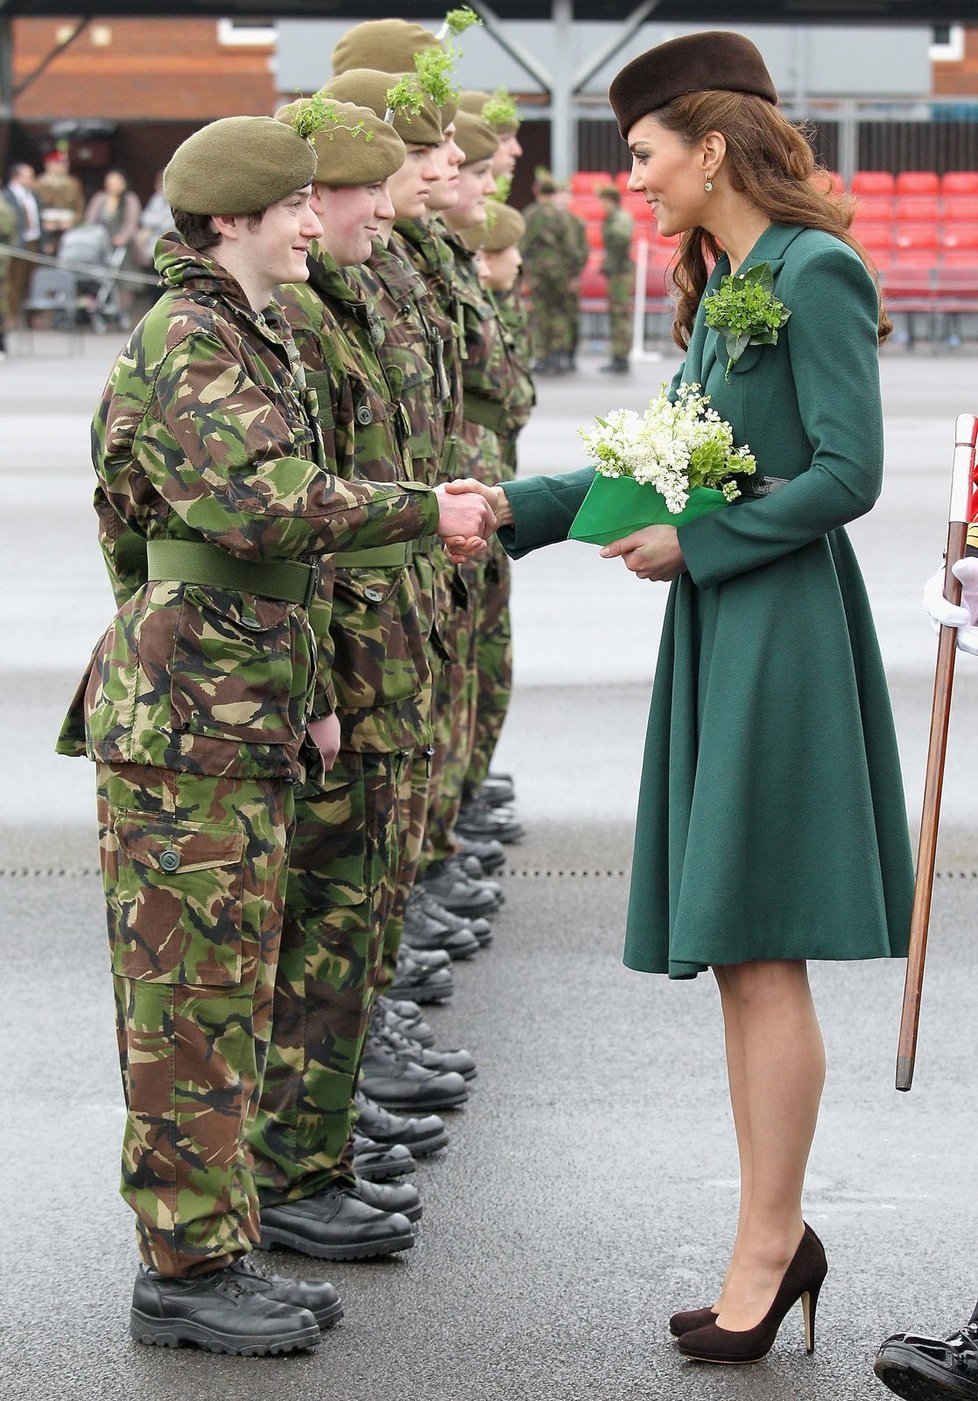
770	248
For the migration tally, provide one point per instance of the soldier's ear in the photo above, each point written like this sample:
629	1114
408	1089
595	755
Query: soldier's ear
227	225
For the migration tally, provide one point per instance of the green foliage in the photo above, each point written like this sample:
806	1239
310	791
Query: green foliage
500	111
746	311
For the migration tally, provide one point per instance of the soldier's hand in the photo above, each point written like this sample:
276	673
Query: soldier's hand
325	735
963	616
465	522
495	495
651	553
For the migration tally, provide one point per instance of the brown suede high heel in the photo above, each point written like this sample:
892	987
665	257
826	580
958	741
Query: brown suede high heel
685	1322
802	1280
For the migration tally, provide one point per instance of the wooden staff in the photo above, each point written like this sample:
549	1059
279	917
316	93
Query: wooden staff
962	476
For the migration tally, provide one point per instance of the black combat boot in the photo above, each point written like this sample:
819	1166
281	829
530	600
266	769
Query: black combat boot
422	1136
420	982
439	1061
931	1369
335	1225
398	1082
408	1022
421	931
222	1312
379	1161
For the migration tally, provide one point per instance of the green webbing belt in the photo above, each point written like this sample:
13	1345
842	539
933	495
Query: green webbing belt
483	411
384	556
195	562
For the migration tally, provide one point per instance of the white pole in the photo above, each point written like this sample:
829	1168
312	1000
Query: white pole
638	309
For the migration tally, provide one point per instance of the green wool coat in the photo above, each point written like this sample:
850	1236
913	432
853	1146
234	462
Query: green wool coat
771	820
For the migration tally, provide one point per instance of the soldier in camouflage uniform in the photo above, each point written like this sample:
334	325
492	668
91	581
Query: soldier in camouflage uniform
616	234
499	259
214	510
553	260
345	857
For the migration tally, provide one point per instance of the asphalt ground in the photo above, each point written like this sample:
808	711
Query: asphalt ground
590	1185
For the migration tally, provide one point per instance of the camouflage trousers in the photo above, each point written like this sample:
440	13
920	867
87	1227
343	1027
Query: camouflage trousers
342	876
413	800
194	870
492	664
620	289
553	319
453	724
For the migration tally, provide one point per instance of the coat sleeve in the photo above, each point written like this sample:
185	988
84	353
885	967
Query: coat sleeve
543	510
833	354
221	455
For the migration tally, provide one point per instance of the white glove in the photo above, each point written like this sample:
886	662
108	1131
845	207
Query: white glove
950	615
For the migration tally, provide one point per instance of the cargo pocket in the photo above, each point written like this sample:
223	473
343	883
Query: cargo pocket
241	668
175	906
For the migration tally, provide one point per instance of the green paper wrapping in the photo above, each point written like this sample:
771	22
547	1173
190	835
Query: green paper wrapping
615	506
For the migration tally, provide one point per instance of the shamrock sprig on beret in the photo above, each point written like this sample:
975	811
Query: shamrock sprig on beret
319	114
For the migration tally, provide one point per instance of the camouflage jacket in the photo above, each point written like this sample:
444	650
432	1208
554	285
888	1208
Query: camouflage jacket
495	404
616	234
206	434
374	634
551	246
425	248
512	314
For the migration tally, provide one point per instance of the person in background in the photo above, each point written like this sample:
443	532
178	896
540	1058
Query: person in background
117	208
616	235
19	195
61	199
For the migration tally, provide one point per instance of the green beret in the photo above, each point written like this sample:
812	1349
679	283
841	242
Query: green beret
369	88
236	166
714	60
353	146
476	138
504	227
498	109
388	45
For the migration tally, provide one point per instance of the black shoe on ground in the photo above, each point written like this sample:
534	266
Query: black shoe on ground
402	1197
400	1083
617	365
320	1298
414	1026
930	1369
497	788
440	1061
220	1312
489	854
424	985
457	891
379	1161
475	924
421	1135
484	823
423	932
335	1225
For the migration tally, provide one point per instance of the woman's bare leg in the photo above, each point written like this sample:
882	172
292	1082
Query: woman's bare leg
733	1042
783	1074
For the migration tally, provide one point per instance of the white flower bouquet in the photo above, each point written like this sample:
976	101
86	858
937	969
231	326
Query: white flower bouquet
666	466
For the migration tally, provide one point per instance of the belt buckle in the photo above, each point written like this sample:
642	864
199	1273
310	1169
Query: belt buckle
311	584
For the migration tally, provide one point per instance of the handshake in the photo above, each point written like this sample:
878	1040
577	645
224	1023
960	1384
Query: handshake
468	513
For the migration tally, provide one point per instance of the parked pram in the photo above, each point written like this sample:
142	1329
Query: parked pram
88	248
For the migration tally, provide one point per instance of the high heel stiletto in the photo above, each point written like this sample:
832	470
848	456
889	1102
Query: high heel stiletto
802	1281
689	1319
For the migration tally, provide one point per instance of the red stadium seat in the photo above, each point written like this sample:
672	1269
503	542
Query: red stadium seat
960	209
838	184
622	178
918	182
587	207
595	237
919	209
960	182
912	239
594	285
960	258
872	182
874	237
585	182
876	208
960	236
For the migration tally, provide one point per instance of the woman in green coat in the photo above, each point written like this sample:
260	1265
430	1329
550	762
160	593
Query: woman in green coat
771	825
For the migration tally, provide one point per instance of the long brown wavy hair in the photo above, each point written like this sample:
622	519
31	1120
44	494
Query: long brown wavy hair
770	162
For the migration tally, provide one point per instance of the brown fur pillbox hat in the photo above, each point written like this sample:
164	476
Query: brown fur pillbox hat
476	138
388	45
504	227
713	60
369	88
236	166
353	147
